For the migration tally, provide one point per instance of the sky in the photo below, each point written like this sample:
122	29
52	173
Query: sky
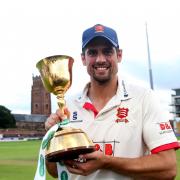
34	29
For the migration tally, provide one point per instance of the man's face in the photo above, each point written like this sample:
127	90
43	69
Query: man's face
101	59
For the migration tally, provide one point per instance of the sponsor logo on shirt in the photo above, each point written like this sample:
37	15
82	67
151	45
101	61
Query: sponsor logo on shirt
165	127
122	114
75	117
107	147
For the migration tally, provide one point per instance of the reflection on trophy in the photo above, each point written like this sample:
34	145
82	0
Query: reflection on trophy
67	142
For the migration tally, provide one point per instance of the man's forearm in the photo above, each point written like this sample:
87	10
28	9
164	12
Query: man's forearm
155	166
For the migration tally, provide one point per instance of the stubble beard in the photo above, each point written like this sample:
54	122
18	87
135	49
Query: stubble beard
102	80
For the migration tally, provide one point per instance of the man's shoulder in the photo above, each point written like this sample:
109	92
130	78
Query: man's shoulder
72	97
136	89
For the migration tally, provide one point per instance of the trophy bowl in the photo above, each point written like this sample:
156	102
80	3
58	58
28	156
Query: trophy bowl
67	142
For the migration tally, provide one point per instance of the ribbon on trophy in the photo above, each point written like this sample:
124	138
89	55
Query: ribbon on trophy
41	168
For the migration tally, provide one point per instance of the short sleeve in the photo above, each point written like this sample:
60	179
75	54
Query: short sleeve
157	131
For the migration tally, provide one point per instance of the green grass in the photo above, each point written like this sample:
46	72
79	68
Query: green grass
178	162
18	160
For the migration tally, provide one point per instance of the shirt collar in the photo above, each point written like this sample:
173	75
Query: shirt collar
123	92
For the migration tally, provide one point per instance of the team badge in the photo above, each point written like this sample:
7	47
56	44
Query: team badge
99	28
122	114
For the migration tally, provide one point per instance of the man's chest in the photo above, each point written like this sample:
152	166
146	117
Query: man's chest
111	131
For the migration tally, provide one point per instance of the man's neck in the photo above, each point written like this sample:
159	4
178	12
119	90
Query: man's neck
100	94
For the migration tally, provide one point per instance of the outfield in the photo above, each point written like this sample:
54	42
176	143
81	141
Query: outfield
18	160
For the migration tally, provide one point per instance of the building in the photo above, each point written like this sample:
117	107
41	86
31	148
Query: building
32	125
27	126
30	122
176	109
40	98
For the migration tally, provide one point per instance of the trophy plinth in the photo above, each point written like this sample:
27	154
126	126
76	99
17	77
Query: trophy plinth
67	142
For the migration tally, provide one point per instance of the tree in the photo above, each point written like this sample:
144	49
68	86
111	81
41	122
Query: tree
7	120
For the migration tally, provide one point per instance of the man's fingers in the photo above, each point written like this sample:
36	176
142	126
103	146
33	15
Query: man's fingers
61	114
51	121
89	156
67	112
54	118
57	117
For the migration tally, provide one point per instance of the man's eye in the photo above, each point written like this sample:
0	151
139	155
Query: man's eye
108	52
92	52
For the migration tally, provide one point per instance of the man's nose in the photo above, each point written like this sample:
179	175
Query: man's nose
100	58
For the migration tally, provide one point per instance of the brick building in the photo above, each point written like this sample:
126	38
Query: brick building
40	98
27	126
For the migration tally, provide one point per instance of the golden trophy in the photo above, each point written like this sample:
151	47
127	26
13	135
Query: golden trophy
67	142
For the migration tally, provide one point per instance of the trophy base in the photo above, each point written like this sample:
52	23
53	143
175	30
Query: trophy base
70	153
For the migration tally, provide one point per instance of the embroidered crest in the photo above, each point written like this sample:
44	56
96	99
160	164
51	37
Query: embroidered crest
122	113
99	28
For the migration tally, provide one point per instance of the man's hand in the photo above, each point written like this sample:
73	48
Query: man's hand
156	166
87	163
54	118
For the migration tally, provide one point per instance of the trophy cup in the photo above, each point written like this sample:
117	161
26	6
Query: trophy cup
67	142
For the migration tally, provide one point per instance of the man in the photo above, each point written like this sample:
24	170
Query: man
133	138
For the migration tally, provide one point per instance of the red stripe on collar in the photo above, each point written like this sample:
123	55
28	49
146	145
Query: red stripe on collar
91	107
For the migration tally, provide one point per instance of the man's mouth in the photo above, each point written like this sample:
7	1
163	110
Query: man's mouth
101	68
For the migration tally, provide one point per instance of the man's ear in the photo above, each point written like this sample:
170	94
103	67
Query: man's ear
119	55
83	59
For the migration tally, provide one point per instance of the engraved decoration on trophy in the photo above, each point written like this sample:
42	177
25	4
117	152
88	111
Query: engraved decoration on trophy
67	142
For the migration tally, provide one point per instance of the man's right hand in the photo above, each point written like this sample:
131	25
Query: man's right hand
57	117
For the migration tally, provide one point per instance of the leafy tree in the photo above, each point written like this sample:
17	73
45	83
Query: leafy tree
7	120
